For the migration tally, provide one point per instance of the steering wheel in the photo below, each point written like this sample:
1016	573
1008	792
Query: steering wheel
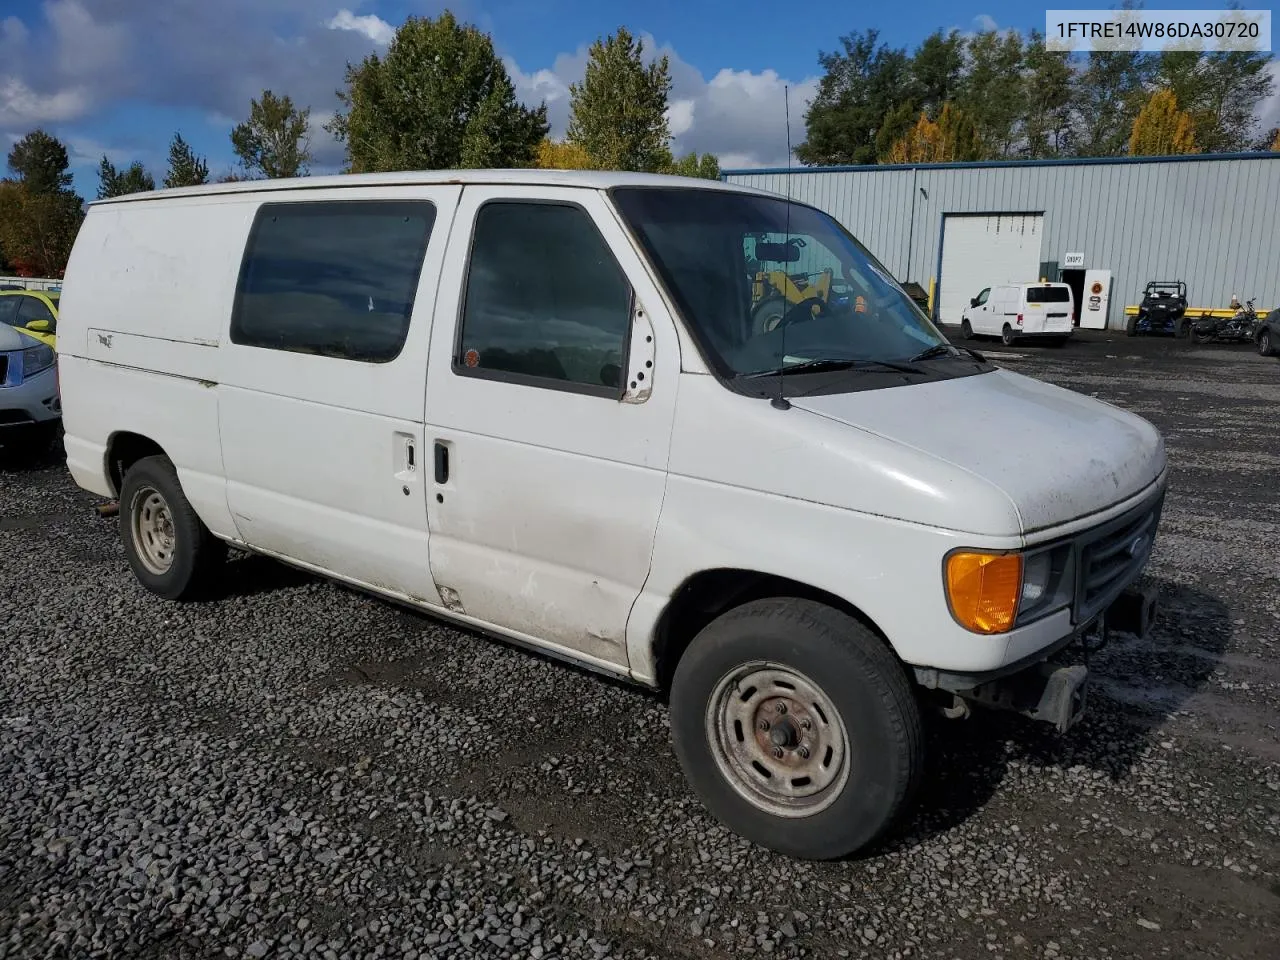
803	311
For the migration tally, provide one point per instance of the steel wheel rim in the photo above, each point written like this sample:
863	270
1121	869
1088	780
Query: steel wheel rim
151	526
778	739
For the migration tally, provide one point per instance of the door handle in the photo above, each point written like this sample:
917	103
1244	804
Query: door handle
442	462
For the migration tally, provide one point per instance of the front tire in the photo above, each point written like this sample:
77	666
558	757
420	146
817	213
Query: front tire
966	329
1265	346
797	728
170	550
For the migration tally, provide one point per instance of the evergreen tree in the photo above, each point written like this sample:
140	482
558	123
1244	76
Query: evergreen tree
117	183
185	168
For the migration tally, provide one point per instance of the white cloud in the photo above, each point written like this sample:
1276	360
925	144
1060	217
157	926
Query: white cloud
20	106
737	114
985	23
373	27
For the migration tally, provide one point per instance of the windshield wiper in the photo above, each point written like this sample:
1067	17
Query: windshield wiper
945	350
821	364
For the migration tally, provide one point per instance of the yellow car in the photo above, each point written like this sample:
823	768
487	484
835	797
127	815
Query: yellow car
34	312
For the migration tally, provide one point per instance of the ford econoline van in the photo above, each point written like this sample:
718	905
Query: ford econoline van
1013	311
540	404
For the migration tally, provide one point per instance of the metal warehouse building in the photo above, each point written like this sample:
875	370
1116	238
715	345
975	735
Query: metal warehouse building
955	228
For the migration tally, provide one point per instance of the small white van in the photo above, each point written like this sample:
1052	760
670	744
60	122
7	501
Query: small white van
535	403
1013	311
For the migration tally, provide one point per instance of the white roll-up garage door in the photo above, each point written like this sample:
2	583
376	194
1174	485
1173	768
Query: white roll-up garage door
982	250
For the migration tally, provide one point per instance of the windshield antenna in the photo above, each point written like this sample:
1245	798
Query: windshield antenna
780	402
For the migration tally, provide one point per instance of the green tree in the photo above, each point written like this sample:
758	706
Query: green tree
438	99
1161	129
618	113
994	91
185	168
1221	91
38	228
1109	92
1046	125
937	70
273	142
860	86
116	183
706	166
40	161
897	124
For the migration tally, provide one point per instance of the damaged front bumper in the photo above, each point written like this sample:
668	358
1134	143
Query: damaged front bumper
1040	687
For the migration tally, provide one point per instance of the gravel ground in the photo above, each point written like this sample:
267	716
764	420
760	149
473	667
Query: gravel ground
296	769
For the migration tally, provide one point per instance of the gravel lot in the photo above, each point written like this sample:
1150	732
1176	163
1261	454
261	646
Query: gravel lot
299	769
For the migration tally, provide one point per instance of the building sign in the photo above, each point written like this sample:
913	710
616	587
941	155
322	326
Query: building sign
1073	260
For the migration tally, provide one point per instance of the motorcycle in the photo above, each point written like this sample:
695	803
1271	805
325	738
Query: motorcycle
1238	328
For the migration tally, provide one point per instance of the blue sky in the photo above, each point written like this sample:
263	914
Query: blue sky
120	76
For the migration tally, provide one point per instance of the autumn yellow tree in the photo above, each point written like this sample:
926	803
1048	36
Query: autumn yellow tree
1275	144
562	155
1161	129
950	138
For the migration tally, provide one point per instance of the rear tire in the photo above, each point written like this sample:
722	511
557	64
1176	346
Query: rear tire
1007	336
170	550
966	329
851	740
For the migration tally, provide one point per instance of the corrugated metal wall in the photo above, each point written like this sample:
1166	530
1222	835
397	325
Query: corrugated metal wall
1210	222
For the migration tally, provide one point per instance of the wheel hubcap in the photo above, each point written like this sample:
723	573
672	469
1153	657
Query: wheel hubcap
152	529
777	739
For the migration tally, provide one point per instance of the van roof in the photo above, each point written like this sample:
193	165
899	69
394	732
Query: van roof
588	179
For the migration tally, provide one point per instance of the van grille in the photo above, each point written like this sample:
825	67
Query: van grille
1112	557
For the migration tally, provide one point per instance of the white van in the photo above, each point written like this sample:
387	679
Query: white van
535	403
1012	311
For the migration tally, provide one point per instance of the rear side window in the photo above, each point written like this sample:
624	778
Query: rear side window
9	310
333	278
1048	294
546	302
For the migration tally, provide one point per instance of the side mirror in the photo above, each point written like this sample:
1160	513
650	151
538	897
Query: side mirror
39	326
973	301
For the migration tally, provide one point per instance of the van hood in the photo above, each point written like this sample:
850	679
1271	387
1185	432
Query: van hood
1058	455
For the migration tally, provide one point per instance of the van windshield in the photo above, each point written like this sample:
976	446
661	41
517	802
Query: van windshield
1048	294
766	285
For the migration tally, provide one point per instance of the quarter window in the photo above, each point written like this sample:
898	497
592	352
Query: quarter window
333	278
546	303
9	310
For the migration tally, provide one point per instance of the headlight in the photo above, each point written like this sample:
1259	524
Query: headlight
36	360
991	593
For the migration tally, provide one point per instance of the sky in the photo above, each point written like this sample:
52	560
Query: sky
119	77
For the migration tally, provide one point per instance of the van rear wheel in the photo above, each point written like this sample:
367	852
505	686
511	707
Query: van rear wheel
170	550
797	728
1007	336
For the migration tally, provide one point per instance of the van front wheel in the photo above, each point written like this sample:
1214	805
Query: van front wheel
797	728
171	552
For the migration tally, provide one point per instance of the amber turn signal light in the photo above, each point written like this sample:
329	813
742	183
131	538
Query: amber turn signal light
983	590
